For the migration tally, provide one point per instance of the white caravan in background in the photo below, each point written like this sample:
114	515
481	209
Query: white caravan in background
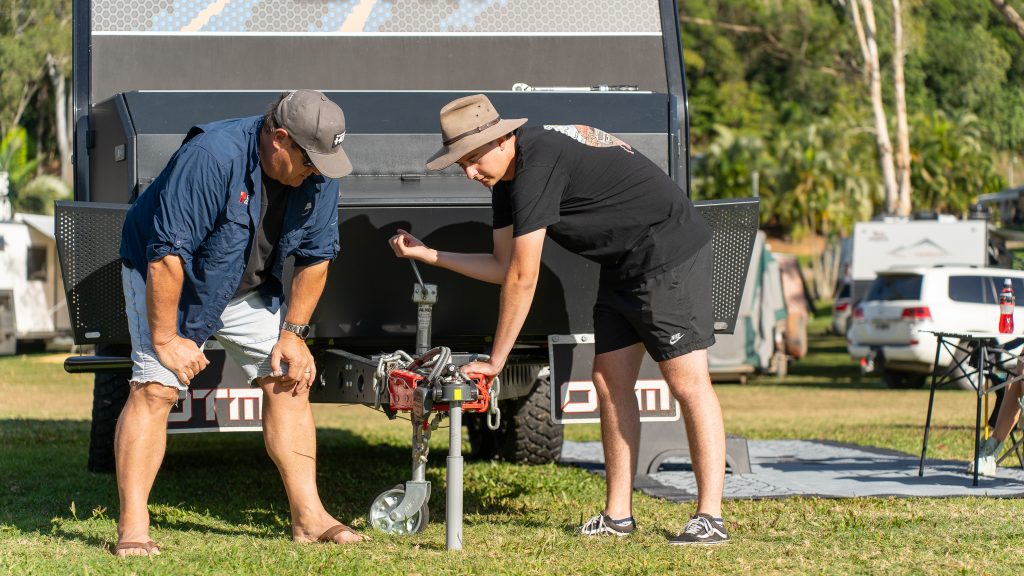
901	243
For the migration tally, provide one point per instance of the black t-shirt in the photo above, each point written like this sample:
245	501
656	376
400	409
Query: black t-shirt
268	233
600	199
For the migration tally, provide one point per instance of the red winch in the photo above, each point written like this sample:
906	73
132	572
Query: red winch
475	391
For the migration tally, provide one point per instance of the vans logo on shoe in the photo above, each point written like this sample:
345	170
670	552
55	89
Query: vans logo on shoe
675	338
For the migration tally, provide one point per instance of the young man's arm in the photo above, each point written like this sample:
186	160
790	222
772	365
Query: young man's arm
307	286
517	292
487	267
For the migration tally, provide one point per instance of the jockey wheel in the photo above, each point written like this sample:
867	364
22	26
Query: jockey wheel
384	504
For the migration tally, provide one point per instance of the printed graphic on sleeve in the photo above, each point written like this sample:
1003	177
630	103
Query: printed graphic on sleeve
589	136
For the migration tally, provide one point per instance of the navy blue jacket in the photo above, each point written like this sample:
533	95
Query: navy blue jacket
205	207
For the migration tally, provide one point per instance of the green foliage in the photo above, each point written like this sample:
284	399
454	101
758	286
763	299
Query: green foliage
951	164
14	157
38	196
965	65
811	178
778	88
34	34
29	31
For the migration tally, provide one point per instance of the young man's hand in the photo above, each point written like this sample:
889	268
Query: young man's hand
406	245
485	368
182	357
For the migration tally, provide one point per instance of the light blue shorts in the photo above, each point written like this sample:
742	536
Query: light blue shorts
249	334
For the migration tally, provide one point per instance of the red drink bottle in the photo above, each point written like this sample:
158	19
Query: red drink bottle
1006	301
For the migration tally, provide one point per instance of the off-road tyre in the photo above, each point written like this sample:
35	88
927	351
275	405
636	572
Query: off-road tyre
109	393
526	434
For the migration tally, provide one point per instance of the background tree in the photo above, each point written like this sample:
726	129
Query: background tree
868	37
762	73
14	158
766	79
35	56
903	204
1011	15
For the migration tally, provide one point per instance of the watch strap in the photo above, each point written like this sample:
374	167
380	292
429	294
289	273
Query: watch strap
300	330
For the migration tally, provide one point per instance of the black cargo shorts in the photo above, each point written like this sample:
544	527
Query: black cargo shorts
670	312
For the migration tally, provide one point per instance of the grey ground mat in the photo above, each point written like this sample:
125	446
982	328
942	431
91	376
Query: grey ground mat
817	468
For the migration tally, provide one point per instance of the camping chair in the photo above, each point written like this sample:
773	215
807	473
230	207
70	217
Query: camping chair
1016	435
1016	439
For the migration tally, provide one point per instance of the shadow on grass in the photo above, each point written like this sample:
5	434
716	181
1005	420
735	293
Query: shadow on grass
208	483
818	376
826	365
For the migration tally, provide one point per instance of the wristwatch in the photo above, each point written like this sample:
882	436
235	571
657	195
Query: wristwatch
300	330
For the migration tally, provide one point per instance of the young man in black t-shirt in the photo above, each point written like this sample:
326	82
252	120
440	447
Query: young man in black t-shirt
597	197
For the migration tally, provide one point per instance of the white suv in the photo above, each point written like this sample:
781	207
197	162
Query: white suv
886	331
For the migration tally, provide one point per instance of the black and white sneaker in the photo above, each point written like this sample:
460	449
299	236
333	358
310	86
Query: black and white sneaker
602	524
702	529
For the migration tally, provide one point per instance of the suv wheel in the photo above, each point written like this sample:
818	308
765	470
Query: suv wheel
903	380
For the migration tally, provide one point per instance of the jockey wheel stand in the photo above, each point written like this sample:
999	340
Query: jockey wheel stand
429	387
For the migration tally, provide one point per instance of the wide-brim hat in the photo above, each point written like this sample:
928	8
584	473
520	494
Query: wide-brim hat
467	124
317	125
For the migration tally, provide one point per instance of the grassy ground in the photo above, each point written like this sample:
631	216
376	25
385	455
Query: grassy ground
218	506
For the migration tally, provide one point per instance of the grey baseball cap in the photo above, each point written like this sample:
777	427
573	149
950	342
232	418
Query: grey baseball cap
317	125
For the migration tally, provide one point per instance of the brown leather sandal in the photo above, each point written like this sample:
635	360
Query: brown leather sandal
328	536
148	547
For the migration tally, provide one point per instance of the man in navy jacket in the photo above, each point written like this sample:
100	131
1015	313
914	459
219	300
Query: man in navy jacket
203	249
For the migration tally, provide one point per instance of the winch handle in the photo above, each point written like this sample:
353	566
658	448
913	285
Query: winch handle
416	271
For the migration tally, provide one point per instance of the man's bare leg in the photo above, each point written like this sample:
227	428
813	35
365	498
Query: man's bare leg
140	441
290	437
688	379
615	376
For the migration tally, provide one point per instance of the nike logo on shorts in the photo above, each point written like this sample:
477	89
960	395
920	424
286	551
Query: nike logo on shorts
675	338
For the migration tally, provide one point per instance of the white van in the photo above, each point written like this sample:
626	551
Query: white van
886	331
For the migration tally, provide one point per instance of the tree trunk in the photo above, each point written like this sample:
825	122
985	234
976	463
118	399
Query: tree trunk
60	125
40	138
902	129
825	269
869	46
1011	15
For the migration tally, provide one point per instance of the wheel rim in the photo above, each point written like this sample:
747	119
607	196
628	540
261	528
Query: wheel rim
380	514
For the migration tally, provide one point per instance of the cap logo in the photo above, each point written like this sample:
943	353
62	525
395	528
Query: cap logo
338	139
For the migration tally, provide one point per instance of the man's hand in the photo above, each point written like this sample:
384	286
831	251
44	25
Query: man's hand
293	351
485	368
406	245
182	357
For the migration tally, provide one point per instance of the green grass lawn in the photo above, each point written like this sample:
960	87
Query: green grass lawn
218	506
